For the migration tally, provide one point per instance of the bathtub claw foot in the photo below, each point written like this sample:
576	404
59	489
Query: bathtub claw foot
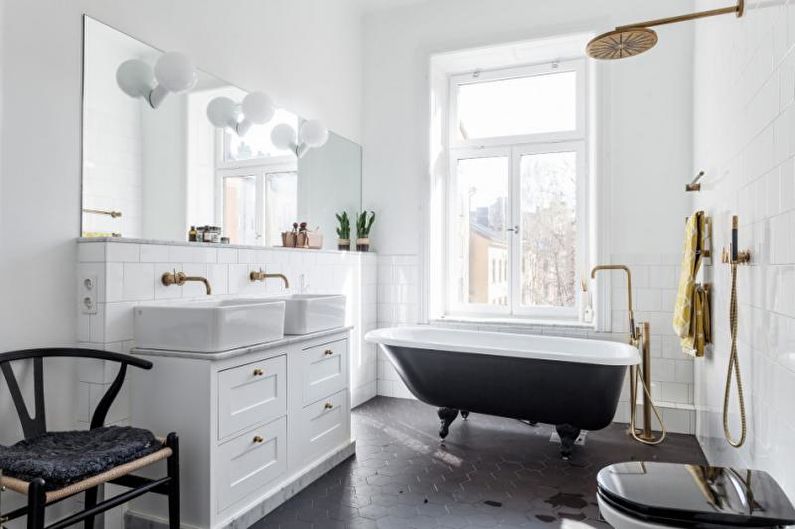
464	414
568	435
446	416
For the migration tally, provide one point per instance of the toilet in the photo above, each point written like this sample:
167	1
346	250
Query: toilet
647	495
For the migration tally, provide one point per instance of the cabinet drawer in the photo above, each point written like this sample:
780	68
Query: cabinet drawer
324	371
251	461
323	426
251	394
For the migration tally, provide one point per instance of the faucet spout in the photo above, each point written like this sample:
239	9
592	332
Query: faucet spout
179	279
633	331
262	276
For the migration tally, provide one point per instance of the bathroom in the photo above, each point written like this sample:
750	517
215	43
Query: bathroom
383	83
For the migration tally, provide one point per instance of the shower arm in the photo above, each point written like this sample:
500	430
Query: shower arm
739	10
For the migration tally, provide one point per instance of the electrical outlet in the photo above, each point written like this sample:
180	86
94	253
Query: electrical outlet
87	294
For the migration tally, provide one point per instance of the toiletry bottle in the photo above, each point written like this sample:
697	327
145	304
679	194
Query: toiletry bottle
192	234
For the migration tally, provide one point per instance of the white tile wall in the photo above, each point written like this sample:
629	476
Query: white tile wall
129	273
745	141
654	290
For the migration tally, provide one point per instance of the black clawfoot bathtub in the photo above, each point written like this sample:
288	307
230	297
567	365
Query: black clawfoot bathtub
571	383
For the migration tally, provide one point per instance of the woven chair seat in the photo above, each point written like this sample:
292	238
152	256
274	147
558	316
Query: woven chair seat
68	460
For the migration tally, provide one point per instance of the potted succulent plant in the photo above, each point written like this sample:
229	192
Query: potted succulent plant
363	225
343	231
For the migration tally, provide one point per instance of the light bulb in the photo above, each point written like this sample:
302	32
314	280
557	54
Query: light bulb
135	78
283	137
258	108
221	112
313	133
175	71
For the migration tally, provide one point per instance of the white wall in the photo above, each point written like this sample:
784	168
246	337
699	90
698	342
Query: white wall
306	54
645	126
648	123
744	140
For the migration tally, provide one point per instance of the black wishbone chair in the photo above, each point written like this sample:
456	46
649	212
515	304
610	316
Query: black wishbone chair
92	471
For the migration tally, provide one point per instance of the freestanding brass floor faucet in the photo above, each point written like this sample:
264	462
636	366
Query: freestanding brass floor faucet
640	337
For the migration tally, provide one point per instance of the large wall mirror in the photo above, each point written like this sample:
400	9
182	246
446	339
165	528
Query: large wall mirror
153	173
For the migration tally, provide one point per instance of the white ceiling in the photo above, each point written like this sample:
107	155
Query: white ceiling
380	5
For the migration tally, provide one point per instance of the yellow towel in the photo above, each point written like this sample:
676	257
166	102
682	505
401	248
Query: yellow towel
691	312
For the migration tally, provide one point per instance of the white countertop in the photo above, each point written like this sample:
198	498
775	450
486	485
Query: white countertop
223	355
131	240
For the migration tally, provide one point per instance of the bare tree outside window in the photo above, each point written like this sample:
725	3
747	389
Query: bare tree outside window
549	229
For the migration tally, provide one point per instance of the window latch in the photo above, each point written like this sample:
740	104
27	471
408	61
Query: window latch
515	229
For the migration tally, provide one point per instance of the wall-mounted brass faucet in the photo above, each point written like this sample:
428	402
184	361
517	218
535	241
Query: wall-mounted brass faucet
179	279
262	276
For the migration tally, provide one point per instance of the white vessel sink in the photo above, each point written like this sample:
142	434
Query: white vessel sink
209	326
308	313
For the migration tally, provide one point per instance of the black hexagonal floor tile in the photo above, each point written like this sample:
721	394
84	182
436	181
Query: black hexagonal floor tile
490	472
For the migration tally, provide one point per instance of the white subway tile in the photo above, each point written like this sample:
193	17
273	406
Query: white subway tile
154	253
138	284
118	252
91	252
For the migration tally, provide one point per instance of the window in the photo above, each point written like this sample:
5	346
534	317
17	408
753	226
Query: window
516	191
257	184
257	144
258	204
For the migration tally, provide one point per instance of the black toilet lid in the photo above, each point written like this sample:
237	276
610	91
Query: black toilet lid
695	495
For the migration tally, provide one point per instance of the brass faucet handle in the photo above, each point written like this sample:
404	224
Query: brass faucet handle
257	276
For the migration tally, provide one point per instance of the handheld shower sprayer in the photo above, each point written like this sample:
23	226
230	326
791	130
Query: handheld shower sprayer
733	256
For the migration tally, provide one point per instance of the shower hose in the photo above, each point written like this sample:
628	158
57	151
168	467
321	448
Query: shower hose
734	367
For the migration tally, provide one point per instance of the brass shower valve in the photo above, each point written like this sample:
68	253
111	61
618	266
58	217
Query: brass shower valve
743	257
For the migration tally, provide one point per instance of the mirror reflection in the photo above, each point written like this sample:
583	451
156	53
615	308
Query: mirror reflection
173	153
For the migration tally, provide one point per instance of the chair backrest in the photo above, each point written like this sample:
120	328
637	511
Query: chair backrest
37	424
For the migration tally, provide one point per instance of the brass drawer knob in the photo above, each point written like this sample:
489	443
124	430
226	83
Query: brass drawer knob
328	352
258	439
258	372
328	406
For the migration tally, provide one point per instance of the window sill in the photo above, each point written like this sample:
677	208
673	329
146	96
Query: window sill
517	322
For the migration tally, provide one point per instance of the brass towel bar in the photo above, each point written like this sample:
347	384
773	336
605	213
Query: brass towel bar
110	213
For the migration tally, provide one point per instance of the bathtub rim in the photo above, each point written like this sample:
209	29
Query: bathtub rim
626	355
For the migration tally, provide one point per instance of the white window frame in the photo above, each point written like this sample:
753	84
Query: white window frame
259	168
578	66
514	147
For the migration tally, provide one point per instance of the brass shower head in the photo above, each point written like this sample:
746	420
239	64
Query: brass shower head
634	39
622	43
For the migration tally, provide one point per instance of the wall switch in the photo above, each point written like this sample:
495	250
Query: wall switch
87	294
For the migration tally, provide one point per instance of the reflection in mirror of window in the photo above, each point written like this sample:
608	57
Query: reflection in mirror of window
256	143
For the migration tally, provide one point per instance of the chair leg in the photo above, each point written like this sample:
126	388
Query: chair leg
90	502
36	504
172	465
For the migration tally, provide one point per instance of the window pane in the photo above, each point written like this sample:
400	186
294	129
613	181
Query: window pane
281	205
257	141
549	229
511	107
240	209
480	255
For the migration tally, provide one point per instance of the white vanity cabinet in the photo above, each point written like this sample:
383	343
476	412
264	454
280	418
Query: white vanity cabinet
256	425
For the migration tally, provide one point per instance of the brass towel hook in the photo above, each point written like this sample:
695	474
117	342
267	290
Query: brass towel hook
694	185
